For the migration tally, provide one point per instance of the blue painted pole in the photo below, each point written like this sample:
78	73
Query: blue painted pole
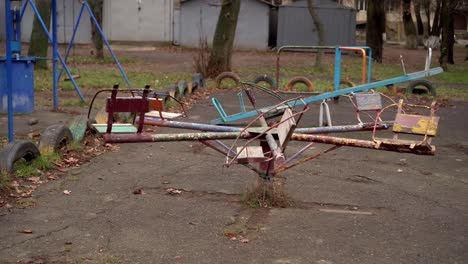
23	9
369	64
98	27
54	53
336	77
62	61
72	39
9	72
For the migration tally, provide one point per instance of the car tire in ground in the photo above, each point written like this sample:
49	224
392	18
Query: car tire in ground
227	75
53	138
421	85
300	79
182	88
22	149
265	78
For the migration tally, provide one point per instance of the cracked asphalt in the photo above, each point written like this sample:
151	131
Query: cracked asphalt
406	208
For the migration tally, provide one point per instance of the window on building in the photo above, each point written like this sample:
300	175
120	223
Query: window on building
361	5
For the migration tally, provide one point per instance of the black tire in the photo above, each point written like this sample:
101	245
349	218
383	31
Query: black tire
53	138
227	75
290	85
418	84
182	88
265	78
21	149
173	91
200	82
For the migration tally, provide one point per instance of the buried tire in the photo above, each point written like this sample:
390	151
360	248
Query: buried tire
227	75
424	85
291	83
53	138
18	150
182	88
265	78
172	95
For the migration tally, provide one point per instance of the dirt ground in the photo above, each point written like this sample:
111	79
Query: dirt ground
353	205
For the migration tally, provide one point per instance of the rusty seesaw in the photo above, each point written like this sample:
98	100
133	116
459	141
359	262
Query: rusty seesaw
271	138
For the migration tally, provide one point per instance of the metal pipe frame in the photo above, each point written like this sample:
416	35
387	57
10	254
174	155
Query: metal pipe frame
153	121
104	39
72	39
419	149
337	72
56	53
9	75
363	52
145	137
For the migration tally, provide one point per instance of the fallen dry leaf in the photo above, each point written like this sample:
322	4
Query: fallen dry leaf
244	240
25	231
173	191
34	179
138	191
52	177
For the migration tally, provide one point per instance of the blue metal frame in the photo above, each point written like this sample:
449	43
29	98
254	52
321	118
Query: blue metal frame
56	53
84	4
337	74
9	88
56	56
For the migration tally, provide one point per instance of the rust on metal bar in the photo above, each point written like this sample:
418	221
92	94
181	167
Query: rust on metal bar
145	137
396	146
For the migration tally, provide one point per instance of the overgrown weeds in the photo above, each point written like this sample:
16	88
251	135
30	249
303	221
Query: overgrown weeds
202	56
268	193
24	169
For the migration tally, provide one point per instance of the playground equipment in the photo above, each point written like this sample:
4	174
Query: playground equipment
338	51
273	138
224	118
20	93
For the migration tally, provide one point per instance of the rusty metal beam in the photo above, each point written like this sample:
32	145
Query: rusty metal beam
145	137
418	149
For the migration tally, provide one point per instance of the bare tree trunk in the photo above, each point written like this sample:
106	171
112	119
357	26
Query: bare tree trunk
97	8
410	29
427	12
375	30
39	42
444	42
223	40
419	23
448	39
436	22
319	28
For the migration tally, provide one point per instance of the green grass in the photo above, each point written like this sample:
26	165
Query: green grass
454	93
457	73
106	78
93	60
5	180
24	169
